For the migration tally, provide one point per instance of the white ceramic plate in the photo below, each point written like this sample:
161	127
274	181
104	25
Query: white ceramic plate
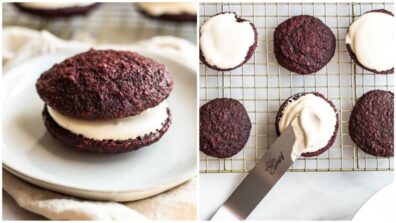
379	208
32	154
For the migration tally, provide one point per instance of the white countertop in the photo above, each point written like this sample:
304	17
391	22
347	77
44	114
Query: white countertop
299	196
319	196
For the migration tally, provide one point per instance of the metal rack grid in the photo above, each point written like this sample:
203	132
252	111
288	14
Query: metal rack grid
262	85
117	23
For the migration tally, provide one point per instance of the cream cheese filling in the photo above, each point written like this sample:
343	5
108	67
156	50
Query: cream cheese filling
313	120
54	5
169	8
225	42
131	127
372	39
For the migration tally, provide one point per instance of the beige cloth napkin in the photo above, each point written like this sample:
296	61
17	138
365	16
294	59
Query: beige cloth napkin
21	44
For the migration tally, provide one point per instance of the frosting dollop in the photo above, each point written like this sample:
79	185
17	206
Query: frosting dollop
372	39
131	127
313	120
224	41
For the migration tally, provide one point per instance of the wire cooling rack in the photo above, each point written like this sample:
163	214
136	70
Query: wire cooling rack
262	85
109	23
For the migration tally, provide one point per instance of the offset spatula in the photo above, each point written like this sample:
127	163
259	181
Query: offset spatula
260	180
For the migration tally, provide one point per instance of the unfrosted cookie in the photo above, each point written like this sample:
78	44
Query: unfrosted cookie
227	41
224	127
371	41
303	44
371	123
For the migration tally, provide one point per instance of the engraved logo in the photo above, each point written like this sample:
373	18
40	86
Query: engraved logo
273	163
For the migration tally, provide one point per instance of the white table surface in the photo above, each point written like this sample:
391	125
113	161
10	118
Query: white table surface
299	196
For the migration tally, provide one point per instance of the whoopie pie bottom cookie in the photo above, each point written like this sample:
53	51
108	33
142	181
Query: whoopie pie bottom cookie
370	41
84	144
227	41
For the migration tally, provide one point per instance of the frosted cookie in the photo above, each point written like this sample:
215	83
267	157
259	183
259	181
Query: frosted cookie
227	41
171	11
224	127
316	121
371	123
106	101
371	41
303	44
56	9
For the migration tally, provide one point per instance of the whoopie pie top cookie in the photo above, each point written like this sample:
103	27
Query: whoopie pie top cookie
104	84
371	41
303	44
316	120
371	123
224	127
56	9
172	11
227	41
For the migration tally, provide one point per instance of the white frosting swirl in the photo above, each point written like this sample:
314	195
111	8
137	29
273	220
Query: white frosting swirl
224	42
372	39
132	127
313	120
53	5
169	8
